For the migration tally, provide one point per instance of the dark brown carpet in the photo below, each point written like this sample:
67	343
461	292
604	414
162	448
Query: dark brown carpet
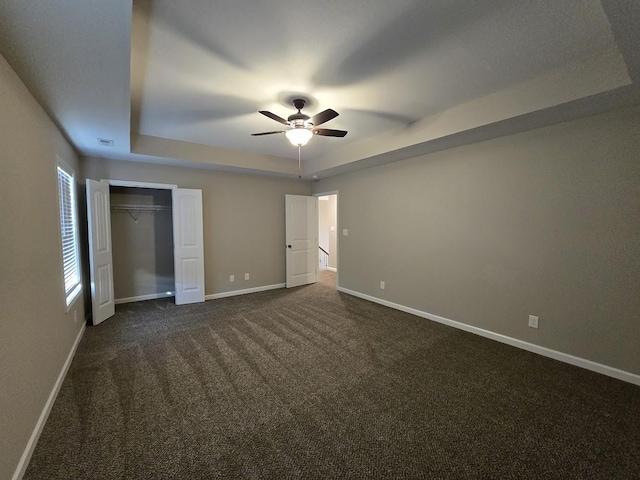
311	383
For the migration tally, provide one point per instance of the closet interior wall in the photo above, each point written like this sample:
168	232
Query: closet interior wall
142	237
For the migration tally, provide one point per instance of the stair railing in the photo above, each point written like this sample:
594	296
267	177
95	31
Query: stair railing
323	258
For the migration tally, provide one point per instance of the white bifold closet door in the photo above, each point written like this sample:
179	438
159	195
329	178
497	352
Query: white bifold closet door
188	245
188	252
100	253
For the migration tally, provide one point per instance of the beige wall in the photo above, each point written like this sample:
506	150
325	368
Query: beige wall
36	335
544	223
243	218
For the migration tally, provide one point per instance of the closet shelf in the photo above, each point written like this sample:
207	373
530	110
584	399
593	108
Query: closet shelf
135	210
140	208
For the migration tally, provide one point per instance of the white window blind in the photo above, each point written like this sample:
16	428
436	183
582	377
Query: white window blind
69	229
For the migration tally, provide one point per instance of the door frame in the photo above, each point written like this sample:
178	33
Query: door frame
153	186
133	184
337	194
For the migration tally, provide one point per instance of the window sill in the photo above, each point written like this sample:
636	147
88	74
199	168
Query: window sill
72	297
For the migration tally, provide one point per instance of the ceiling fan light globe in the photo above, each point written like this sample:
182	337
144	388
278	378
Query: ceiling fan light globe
298	136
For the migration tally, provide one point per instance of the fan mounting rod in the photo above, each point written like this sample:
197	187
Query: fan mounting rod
298	120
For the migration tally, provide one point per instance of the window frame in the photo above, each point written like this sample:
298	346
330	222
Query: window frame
68	212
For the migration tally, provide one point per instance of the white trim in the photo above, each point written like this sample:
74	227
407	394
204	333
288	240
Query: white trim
33	440
140	298
73	296
514	342
129	183
325	194
333	269
233	293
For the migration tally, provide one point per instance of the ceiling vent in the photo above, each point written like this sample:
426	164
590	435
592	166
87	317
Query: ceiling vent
105	142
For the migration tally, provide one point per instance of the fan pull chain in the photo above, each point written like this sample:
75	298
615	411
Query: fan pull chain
299	169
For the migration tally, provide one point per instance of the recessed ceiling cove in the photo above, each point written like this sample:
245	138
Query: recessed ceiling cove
408	77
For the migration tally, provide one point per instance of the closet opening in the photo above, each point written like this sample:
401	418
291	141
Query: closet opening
142	243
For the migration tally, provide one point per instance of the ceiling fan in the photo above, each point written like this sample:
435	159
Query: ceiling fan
301	126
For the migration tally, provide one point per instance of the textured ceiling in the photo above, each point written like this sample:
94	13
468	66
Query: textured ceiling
181	82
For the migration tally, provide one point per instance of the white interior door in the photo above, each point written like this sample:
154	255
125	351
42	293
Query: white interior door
188	245
301	236
100	257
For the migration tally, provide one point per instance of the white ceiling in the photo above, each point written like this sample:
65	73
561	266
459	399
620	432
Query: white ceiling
182	82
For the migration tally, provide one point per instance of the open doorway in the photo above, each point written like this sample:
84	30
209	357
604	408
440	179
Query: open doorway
328	238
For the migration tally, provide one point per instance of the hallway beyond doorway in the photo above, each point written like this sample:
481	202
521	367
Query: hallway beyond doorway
328	278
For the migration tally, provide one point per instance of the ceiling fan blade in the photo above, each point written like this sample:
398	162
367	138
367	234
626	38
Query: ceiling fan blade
322	117
266	133
329	132
275	117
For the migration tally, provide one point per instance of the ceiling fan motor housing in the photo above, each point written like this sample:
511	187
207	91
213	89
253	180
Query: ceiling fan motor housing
299	120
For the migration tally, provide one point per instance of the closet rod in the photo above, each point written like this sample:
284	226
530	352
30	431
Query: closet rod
140	208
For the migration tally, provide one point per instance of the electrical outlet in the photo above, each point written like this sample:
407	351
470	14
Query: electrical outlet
345	232
232	278
382	285
533	321
246	276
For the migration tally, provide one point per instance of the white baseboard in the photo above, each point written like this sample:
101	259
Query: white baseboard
233	293
333	269
140	298
514	342
31	445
